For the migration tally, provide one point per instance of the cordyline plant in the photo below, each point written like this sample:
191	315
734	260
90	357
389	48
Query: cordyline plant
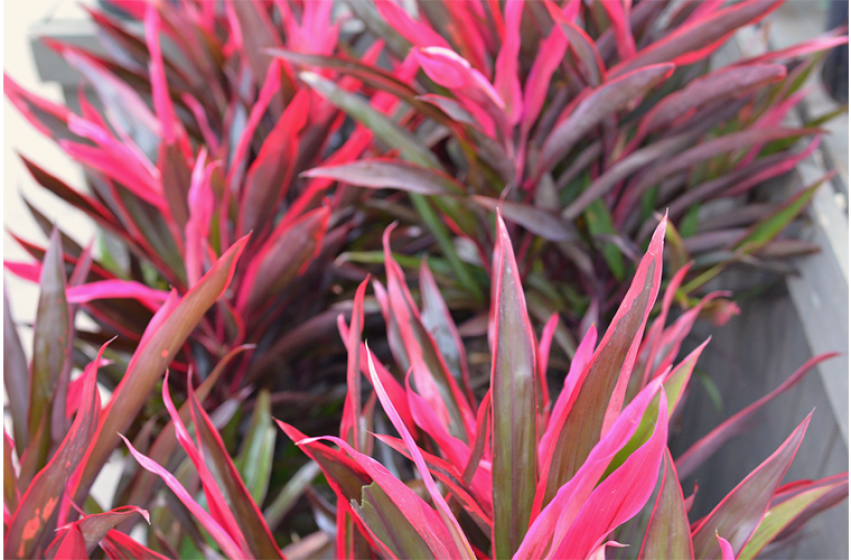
216	243
519	476
216	163
192	158
584	119
62	435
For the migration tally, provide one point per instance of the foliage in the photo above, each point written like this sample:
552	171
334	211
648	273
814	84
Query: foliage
218	157
518	476
587	120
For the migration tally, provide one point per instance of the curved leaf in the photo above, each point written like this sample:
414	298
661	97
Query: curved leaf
381	173
165	336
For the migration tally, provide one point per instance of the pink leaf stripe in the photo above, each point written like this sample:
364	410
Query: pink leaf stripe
461	546
216	531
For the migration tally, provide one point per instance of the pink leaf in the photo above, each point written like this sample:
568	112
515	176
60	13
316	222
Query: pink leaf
219	508
550	527
271	86
620	496
350	428
201	208
162	98
619	18
461	546
698	39
474	91
216	531
117	289
73	546
119	546
823	43
506	81
561	408
726	549
418	33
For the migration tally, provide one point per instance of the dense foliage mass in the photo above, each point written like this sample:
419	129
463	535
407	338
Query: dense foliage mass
224	152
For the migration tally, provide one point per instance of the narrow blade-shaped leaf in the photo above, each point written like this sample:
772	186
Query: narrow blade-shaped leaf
601	386
382	173
258	34
269	176
254	461
216	531
668	534
388	508
438	321
602	102
514	396
385	129
16	377
434	382
288	251
635	424
157	350
247	514
51	359
119	546
93	528
780	516
698	39
739	514
460	547
623	493
695	455
34	521
537	220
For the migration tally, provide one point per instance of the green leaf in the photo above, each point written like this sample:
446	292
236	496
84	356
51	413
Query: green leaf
254	461
677	381
767	229
711	390
777	518
290	494
600	223
399	536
